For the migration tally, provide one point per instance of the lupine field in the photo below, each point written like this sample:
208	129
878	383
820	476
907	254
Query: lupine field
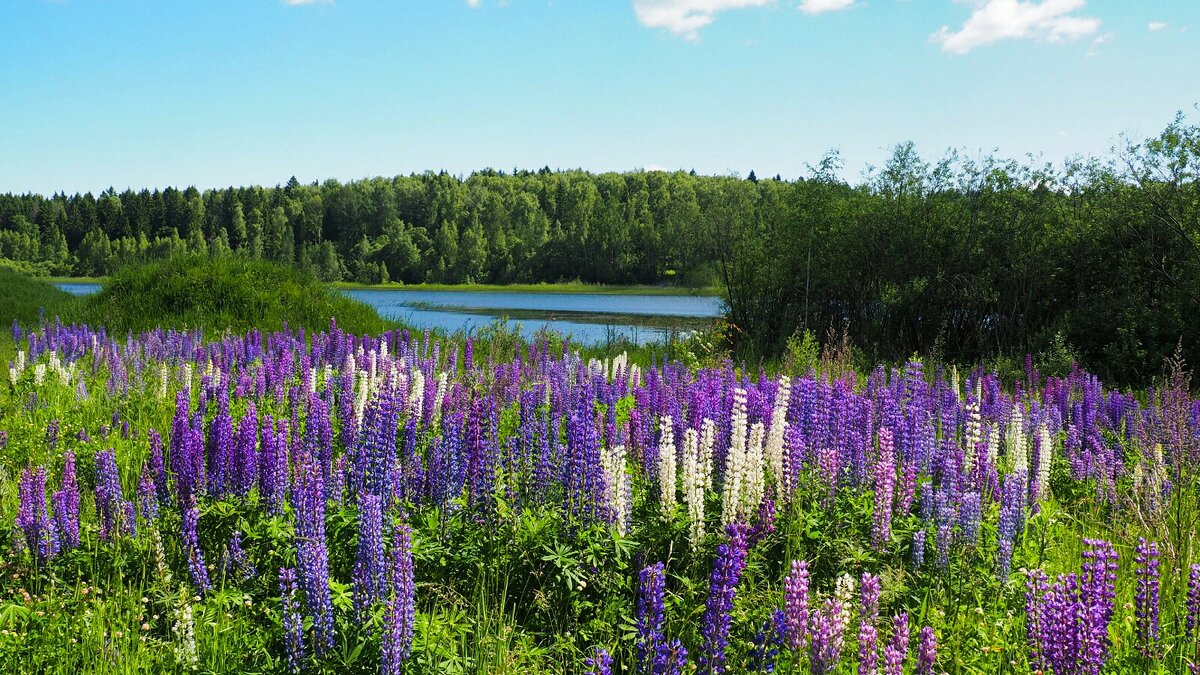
337	503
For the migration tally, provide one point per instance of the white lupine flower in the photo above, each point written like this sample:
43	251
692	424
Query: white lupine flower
666	467
844	592
164	376
954	384
993	443
21	360
185	375
383	349
416	394
694	481
735	461
362	389
39	374
708	441
439	396
326	376
185	632
974	431
616	483
1043	461
774	446
13	375
372	366
1015	440
755	486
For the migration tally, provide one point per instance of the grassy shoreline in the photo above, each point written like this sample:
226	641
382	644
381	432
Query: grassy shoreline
567	287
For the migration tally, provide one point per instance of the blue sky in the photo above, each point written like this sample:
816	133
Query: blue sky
150	93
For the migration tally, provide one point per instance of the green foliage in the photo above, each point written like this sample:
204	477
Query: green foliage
24	298
219	294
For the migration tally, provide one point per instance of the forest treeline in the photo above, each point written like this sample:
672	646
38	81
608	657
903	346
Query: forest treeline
965	258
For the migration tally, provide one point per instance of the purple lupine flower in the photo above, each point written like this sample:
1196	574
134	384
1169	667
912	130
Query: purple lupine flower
370	575
273	476
1146	601
1067	621
1193	599
827	633
236	559
1012	516
714	629
191	542
795	605
41	537
109	500
293	620
3	439
147	496
885	481
66	505
650	637
868	649
926	651
220	445
52	433
918	548
897	648
400	615
243	472
869	591
767	643
599	663
308	495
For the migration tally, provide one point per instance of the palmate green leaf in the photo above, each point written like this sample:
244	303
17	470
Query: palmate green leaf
11	614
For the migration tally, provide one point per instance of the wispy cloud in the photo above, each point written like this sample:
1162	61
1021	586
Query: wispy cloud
1157	25
297	3
995	20
686	17
822	6
473	3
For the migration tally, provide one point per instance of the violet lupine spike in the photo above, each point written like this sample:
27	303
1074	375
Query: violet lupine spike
599	663
767	643
399	619
1147	600
66	505
827	631
1193	599
41	536
191	544
370	575
308	494
796	605
109	500
885	481
293	620
650	638
869	591
147	496
237	561
868	649
926	652
727	570
896	650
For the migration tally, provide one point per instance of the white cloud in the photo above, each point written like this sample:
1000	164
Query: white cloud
993	20
297	3
822	6
686	17
1157	25
473	3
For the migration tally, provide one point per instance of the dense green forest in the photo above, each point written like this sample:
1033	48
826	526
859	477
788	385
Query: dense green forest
1097	258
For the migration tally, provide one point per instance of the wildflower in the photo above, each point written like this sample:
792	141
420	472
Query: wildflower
399	617
1146	570
795	595
714	628
293	622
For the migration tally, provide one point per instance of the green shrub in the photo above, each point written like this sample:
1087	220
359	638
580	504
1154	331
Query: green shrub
223	294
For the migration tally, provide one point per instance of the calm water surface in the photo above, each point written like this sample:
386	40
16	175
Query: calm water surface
469	311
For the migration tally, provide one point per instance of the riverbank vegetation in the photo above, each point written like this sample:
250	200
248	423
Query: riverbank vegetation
967	258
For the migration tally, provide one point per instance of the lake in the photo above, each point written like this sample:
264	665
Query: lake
590	318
